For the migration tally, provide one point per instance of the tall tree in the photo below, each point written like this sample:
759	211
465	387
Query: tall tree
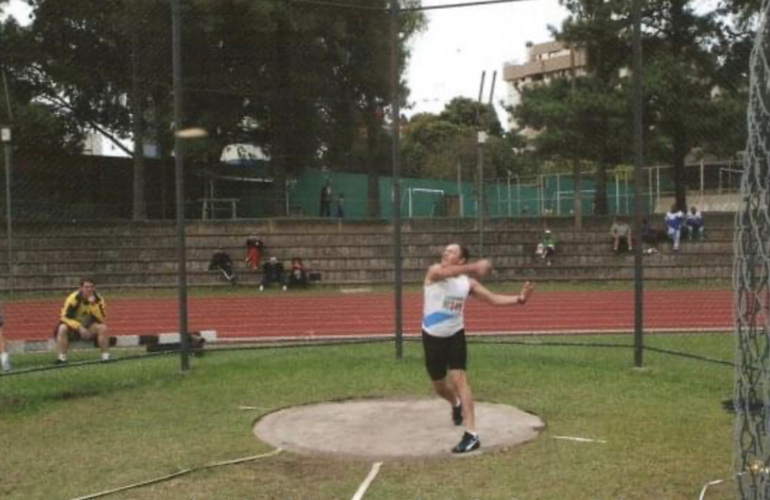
600	28
679	80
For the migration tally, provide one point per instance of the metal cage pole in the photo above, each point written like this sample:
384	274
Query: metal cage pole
396	118
176	29
638	163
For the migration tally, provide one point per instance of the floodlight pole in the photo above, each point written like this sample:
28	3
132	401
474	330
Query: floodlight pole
176	41
5	136
395	157
638	164
480	168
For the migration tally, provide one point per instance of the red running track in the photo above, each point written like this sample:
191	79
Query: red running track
305	315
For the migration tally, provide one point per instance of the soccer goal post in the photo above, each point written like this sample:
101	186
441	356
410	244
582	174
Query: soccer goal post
422	202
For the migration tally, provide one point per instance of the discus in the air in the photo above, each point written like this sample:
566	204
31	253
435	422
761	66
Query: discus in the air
192	133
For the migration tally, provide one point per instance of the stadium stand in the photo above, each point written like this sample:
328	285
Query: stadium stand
143	254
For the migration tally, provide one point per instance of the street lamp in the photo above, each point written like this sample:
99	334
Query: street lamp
5	138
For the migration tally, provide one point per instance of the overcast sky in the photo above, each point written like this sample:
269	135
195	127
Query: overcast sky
449	57
458	44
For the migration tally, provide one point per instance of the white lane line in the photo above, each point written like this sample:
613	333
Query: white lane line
365	485
580	439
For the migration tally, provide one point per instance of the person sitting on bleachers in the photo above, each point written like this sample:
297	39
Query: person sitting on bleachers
694	224
621	235
222	262
547	247
674	219
650	237
272	272
297	274
253	252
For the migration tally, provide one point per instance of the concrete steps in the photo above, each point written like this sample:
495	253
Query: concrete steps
144	255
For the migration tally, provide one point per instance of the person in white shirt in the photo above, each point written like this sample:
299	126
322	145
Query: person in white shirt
5	362
621	235
446	287
674	219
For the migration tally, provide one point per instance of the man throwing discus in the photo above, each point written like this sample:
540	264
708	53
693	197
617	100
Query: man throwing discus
446	287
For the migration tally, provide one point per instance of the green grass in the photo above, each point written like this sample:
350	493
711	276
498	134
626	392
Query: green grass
71	432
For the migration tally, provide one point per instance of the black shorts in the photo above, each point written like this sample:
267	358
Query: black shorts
444	353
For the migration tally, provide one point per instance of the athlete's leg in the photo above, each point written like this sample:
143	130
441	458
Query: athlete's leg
459	380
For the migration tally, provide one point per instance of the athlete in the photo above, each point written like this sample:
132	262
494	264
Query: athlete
446	287
82	317
5	362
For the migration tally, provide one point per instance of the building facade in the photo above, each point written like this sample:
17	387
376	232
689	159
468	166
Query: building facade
546	61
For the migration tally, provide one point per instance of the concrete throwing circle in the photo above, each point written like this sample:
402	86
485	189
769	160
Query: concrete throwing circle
391	429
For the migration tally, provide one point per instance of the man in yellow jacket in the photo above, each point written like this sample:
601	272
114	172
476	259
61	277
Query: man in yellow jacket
82	317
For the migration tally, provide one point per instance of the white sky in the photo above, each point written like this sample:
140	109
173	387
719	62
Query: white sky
458	44
449	57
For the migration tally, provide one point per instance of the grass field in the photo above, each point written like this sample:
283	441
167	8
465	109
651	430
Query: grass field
76	431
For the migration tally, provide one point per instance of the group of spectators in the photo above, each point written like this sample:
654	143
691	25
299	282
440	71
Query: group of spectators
676	224
273	271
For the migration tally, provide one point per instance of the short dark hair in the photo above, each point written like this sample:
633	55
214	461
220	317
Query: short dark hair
83	281
464	252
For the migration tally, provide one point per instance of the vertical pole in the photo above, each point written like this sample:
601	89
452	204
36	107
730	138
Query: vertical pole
638	162
651	207
480	159
509	194
460	189
702	180
176	30
8	216
7	146
396	119
480	168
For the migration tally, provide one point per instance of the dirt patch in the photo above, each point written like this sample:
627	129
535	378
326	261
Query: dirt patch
391	429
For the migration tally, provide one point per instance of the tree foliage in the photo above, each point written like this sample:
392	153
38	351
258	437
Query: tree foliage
298	80
694	88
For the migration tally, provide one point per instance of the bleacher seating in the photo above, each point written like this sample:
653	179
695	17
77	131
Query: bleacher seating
143	255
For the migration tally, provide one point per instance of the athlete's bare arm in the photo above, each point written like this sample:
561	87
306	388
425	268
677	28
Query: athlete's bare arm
439	272
496	299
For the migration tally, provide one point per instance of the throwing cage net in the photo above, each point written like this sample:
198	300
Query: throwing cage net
752	263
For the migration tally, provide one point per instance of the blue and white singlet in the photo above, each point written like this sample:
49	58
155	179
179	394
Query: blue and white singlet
442	314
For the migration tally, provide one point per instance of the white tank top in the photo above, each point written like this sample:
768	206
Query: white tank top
442	313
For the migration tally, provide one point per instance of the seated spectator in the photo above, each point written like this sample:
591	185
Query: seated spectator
253	252
694	224
674	219
297	275
621	235
5	362
82	317
222	262
272	272
547	247
650	237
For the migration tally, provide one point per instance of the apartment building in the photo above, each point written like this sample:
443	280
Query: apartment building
546	61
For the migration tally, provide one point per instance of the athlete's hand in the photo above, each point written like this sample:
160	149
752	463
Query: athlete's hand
483	267
526	291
